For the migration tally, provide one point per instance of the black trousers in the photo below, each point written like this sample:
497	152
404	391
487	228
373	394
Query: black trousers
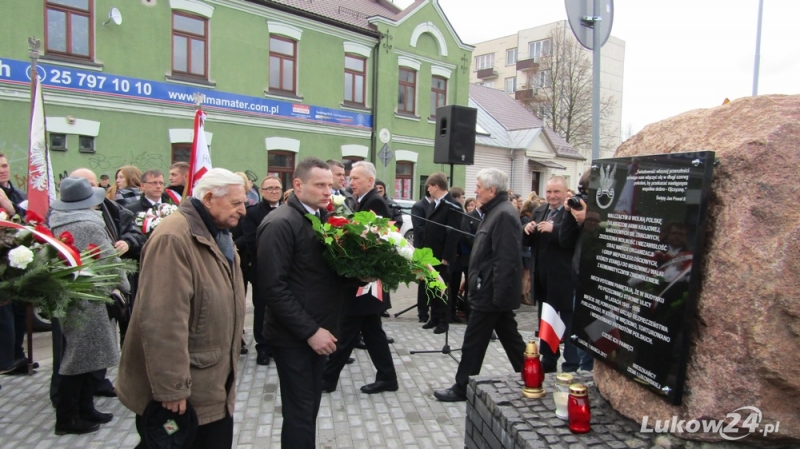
476	341
214	435
7	344
370	327
259	308
423	307
300	374
20	326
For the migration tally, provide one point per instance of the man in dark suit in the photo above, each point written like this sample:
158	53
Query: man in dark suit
551	261
441	236
420	211
304	297
152	192
271	194
362	313
494	284
339	186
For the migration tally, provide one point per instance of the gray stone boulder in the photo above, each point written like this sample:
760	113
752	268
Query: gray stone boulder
746	336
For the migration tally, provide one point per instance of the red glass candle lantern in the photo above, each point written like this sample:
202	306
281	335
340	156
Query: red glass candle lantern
532	373
578	409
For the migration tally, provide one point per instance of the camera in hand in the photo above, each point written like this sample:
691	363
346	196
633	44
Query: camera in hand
574	202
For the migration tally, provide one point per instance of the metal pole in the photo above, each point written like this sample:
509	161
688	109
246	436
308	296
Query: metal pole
596	83
758	48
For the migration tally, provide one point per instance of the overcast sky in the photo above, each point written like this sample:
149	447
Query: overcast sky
679	54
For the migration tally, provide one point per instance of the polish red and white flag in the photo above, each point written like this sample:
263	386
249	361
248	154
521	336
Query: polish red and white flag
200	159
551	328
41	187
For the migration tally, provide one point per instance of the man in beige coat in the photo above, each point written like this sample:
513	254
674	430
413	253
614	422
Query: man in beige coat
183	341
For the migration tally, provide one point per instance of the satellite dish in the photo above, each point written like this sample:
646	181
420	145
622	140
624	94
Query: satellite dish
585	21
114	15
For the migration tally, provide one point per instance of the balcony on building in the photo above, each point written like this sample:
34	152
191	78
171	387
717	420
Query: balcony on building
524	93
486	74
526	65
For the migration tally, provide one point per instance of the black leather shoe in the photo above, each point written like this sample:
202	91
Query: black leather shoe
360	344
423	319
76	426
430	325
441	328
112	393
263	359
449	395
385	314
389	340
328	387
350	361
20	367
379	386
98	417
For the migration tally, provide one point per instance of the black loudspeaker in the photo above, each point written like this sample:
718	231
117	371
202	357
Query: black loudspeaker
455	135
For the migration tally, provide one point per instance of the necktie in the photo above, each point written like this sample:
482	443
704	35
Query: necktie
319	217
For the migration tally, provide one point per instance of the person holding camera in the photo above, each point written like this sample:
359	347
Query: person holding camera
551	262
577	221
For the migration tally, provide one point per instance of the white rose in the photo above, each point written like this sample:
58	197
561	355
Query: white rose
406	251
338	200
20	257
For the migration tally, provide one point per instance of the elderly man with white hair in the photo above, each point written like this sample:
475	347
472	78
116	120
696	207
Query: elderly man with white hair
183	340
495	267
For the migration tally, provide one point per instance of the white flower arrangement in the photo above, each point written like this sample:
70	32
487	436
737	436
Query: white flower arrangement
20	257
149	220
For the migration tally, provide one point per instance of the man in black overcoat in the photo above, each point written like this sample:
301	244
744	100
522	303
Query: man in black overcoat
419	212
494	282
362	312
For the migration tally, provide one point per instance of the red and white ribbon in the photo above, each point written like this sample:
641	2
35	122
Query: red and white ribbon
373	288
174	196
70	255
147	224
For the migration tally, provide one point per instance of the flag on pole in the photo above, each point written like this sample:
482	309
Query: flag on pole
551	328
200	159
41	188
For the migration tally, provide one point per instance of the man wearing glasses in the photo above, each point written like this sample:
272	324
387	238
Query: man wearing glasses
271	195
152	192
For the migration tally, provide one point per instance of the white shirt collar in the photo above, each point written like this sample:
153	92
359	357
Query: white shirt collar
309	209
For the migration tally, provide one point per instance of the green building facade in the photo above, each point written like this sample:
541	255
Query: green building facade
280	80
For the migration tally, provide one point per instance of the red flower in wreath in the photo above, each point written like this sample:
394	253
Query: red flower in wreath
93	251
33	218
338	222
67	238
43	230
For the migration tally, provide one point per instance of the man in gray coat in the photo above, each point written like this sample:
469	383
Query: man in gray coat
494	285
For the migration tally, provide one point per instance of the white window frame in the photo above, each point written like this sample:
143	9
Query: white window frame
513	81
484	61
511	56
537	49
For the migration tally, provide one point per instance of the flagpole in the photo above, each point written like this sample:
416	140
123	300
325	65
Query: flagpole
33	52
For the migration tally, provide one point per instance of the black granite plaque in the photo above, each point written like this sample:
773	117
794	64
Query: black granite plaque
641	249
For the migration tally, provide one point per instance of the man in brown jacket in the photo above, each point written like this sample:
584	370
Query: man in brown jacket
190	290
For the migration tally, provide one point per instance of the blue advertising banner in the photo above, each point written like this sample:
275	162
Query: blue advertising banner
105	84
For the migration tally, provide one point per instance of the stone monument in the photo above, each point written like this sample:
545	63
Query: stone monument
745	348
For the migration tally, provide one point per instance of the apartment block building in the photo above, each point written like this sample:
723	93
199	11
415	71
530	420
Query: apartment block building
511	63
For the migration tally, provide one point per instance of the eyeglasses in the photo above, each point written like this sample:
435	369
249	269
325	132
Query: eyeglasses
158	183
271	189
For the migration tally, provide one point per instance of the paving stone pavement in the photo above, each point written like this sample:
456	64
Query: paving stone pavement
409	418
